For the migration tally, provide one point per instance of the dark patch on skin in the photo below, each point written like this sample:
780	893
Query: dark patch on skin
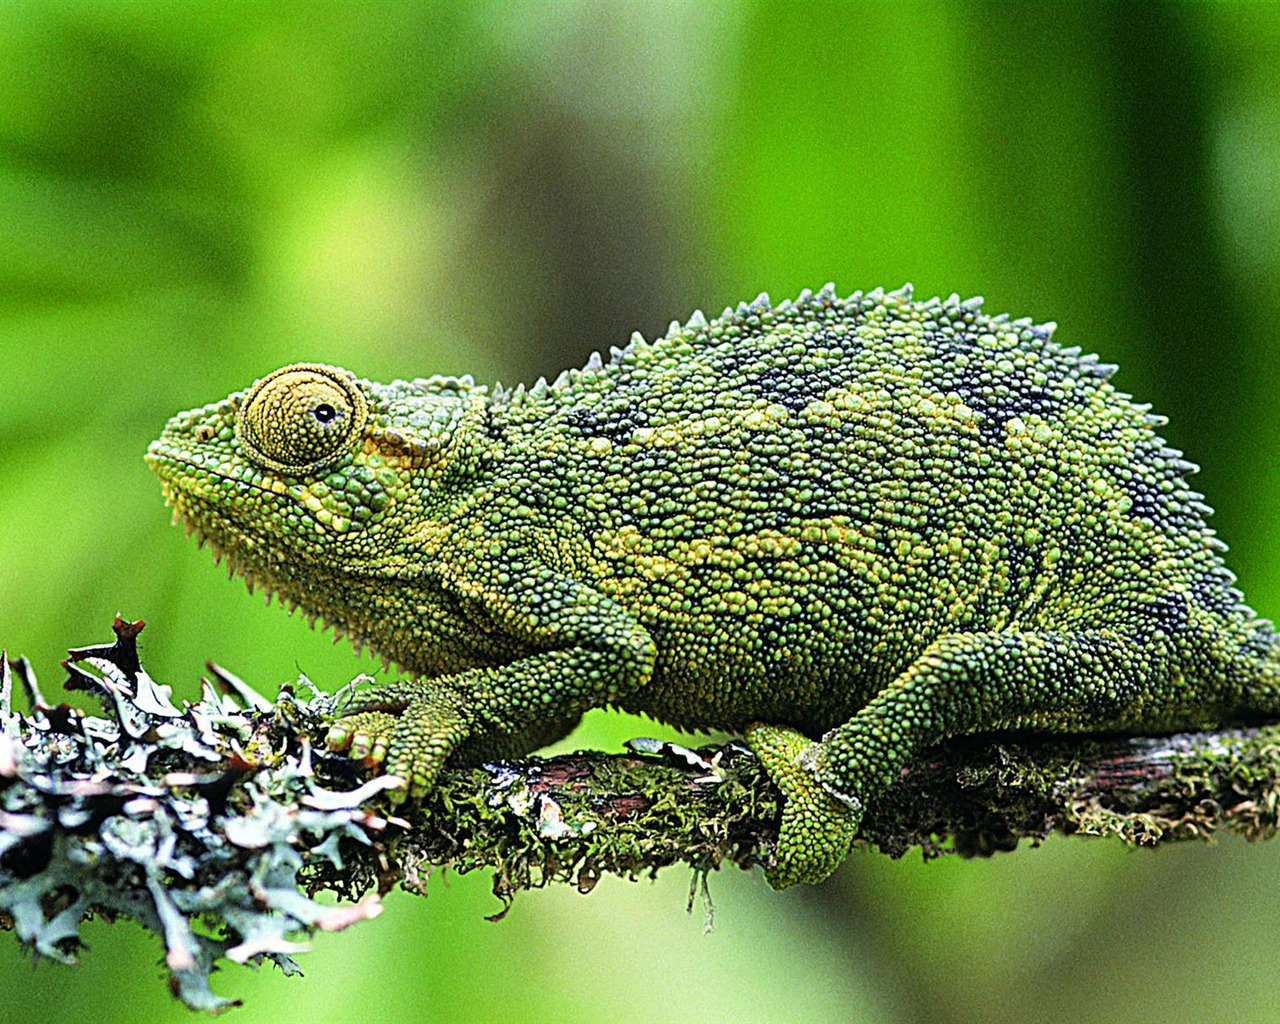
786	388
1022	399
490	426
1155	484
959	366
1022	573
617	428
792	386
777	663
1170	614
1215	593
1148	501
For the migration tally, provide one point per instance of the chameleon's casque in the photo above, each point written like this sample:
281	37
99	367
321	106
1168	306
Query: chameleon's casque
850	527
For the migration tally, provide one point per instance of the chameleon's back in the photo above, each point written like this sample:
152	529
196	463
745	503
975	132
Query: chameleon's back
798	500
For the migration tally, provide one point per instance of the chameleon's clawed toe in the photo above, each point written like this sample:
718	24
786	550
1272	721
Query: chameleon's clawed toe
337	739
364	736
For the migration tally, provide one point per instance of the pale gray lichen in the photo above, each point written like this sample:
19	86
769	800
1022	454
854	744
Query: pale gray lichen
105	816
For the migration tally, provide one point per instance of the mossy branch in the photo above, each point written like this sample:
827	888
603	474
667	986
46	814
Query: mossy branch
573	818
227	814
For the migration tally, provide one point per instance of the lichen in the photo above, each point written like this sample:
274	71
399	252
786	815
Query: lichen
105	816
212	824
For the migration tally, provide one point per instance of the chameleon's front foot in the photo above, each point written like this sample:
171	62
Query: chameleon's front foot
406	728
817	830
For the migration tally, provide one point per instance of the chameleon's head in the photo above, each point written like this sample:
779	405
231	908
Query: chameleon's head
312	478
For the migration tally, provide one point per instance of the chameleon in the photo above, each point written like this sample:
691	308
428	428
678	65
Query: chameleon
848	528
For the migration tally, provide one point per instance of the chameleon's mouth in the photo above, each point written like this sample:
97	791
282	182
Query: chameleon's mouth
169	468
201	509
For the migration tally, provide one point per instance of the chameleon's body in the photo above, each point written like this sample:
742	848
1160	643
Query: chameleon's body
872	522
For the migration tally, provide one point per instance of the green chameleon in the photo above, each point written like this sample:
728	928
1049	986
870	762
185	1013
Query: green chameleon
850	528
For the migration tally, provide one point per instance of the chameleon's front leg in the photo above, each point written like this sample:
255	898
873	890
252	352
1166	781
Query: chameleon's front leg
963	683
590	652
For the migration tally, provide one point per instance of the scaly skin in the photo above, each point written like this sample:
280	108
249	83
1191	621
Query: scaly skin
850	527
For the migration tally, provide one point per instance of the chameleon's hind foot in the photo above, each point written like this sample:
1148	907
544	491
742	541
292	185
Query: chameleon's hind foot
817	830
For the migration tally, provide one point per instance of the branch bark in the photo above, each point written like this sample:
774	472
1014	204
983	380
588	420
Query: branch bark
228	812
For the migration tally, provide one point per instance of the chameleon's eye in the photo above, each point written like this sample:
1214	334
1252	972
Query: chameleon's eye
298	418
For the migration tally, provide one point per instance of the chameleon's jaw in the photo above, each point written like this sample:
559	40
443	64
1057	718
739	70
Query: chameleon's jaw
203	516
201	520
245	555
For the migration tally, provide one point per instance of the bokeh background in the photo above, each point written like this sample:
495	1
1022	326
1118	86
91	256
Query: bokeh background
193	193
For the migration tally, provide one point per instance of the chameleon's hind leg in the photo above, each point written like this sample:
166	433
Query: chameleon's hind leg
962	683
816	830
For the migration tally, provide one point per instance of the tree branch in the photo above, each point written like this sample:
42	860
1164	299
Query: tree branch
227	812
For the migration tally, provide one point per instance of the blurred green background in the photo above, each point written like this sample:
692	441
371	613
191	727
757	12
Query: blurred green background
193	193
